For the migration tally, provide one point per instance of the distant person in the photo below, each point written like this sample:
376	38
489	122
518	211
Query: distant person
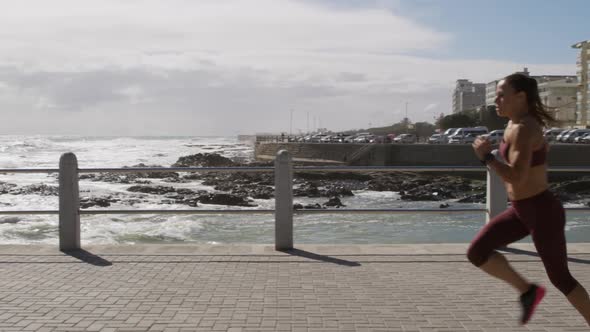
535	210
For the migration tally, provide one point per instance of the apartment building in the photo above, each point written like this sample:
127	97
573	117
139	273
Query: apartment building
560	97
583	93
468	95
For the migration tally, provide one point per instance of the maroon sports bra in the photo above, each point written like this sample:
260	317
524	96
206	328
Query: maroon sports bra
539	156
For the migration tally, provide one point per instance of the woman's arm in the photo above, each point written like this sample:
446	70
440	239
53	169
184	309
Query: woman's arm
520	155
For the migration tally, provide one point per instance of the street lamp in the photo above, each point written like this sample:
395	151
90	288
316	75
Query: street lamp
291	124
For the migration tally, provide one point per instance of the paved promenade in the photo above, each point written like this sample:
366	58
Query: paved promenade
254	288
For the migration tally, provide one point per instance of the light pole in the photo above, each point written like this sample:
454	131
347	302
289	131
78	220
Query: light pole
291	124
406	120
406	109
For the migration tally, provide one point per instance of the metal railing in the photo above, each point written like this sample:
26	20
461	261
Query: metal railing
69	199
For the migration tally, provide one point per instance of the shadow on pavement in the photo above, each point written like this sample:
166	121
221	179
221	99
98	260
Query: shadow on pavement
87	257
327	259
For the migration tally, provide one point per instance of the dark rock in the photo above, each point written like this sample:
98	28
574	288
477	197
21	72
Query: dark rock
313	206
6	187
262	193
204	160
224	199
335	202
175	179
185	191
115	178
133	201
384	185
297	206
37	189
338	191
158	190
427	193
192	202
254	191
194	176
152	175
564	197
573	187
86	202
309	190
444	206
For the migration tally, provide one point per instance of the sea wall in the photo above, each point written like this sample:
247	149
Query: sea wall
410	154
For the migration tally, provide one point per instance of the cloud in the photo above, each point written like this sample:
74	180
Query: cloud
222	66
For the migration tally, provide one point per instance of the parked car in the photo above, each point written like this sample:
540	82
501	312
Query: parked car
338	138
551	134
459	135
586	139
469	138
437	139
317	138
495	136
361	139
405	138
580	139
447	133
561	135
572	134
349	139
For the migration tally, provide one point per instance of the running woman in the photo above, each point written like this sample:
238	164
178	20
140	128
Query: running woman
534	209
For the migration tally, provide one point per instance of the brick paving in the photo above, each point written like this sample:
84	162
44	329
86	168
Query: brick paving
235	288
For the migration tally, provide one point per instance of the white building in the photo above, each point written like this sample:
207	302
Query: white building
491	93
583	72
468	95
560	98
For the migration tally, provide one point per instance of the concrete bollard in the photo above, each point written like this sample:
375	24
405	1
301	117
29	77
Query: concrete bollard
283	201
69	203
496	200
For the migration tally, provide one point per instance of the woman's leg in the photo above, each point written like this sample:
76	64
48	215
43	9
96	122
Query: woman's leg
502	230
578	297
549	238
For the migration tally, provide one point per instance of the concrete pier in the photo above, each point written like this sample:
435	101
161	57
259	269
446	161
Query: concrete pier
427	287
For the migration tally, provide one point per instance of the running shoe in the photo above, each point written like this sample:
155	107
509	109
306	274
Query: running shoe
529	301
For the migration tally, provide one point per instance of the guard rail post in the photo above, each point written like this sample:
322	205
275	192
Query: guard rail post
496	196
69	203
283	201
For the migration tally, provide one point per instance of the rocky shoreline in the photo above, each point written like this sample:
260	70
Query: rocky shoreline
240	188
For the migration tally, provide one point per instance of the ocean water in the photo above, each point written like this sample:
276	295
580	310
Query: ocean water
45	151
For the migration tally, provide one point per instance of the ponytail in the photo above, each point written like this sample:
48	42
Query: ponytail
520	82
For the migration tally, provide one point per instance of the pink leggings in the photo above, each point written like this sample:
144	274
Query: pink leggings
543	217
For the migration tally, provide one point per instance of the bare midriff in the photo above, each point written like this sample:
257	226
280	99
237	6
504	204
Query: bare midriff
535	183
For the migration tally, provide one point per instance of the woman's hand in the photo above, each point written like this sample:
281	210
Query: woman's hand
482	146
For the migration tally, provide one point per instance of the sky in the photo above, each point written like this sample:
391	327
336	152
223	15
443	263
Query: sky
228	67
